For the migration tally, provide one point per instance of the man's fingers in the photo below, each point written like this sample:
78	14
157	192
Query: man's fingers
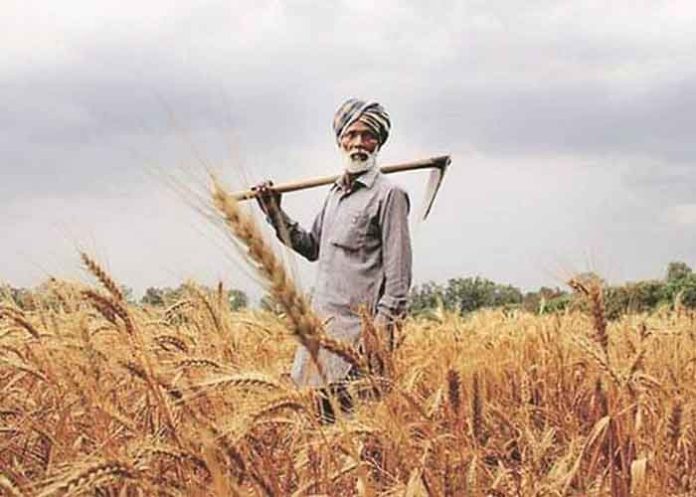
267	198
264	189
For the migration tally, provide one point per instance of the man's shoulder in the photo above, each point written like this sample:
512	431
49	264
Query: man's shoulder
387	187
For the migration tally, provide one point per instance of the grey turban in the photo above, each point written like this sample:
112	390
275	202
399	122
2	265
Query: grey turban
371	114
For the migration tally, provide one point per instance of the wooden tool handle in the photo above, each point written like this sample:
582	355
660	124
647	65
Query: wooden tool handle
441	162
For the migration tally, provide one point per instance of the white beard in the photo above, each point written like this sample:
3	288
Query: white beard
354	165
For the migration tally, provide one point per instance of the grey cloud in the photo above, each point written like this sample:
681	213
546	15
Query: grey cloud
581	119
574	118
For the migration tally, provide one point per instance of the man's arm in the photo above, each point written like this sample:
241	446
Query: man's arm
396	257
306	243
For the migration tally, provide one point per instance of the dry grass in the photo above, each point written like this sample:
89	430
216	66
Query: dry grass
98	397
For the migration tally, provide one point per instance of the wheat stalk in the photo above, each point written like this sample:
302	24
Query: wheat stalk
306	326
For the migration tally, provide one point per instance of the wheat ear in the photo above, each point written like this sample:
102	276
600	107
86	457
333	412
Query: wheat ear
306	325
454	390
342	349
674	425
593	291
95	476
110	308
103	277
476	408
17	317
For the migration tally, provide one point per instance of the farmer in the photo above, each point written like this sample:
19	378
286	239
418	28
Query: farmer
360	240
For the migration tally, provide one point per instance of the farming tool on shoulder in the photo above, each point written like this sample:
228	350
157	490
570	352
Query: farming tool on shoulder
438	166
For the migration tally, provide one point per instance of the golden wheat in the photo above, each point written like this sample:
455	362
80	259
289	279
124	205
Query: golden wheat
485	404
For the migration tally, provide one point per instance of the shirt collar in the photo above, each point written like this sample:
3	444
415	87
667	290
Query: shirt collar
367	179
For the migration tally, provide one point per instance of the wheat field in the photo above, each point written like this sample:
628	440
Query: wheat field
99	397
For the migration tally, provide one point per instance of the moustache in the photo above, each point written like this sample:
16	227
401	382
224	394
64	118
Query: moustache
359	154
359	159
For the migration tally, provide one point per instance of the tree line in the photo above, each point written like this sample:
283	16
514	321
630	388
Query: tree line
676	290
153	296
463	295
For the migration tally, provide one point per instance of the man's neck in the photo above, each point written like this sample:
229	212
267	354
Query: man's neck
349	179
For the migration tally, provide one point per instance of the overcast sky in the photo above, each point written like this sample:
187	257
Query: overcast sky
570	124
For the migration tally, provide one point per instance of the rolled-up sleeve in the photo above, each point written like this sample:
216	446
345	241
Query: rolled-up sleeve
396	256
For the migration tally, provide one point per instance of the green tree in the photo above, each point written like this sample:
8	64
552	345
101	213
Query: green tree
237	299
470	294
677	271
21	296
426	297
463	295
538	302
645	296
680	287
153	296
558	303
127	294
687	292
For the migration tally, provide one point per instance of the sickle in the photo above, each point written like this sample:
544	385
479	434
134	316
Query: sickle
438	165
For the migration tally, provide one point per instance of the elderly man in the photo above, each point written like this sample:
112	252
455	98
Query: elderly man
360	240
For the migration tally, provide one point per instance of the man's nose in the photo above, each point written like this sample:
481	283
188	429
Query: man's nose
357	139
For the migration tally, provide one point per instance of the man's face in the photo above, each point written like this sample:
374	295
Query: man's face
359	142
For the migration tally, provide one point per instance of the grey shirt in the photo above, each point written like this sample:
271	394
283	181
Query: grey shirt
362	243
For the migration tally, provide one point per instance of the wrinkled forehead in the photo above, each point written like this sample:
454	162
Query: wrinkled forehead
359	127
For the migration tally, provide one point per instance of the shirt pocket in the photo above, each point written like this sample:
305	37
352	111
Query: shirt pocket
350	231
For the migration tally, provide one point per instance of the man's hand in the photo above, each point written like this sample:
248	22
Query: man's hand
268	198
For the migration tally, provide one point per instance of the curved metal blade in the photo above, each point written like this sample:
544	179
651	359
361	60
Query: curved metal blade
434	182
